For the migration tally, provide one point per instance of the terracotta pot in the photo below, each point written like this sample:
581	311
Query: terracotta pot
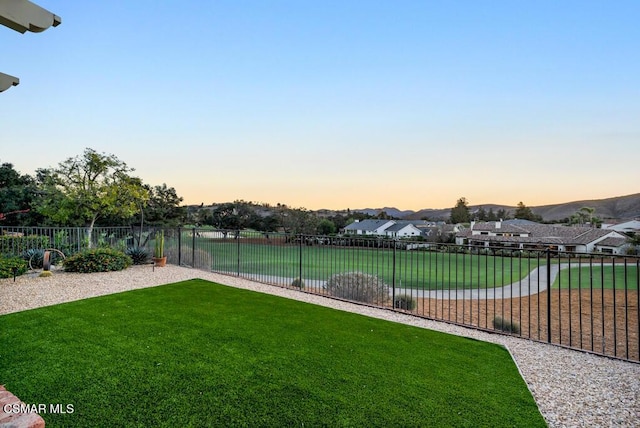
160	261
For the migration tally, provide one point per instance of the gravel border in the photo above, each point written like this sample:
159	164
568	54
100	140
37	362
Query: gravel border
571	388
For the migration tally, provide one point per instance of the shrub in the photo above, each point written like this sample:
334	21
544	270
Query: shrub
502	324
139	255
358	286
298	283
405	302
34	257
97	260
7	265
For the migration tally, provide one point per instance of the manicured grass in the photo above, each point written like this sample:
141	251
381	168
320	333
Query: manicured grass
414	269
607	277
197	353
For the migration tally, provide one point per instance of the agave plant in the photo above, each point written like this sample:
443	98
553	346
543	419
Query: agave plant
139	255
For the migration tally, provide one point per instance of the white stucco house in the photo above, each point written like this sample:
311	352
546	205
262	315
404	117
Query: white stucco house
631	226
392	228
368	227
530	235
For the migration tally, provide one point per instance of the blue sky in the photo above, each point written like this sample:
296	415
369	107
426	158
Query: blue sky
336	104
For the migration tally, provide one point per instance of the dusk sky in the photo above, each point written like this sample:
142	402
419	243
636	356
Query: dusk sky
336	104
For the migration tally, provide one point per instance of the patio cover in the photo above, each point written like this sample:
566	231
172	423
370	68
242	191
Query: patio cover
23	16
7	81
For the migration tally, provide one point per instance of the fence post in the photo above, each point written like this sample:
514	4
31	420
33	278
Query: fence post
300	257
393	277
549	295
179	246
238	239
193	248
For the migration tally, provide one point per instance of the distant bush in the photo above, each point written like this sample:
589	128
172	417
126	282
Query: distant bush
7	264
97	260
405	302
298	283
502	324
358	286
139	255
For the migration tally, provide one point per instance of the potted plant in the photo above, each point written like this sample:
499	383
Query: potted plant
158	253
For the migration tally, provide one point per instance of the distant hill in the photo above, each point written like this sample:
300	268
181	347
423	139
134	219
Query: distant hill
619	207
393	212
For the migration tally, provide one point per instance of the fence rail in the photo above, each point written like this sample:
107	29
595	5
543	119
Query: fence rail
582	301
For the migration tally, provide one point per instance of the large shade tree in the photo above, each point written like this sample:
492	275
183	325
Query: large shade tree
88	187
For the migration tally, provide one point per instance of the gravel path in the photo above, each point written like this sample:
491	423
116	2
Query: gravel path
572	389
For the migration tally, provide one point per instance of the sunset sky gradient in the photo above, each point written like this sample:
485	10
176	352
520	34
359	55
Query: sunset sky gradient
336	104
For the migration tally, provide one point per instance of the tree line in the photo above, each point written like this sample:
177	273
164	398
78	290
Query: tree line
461	213
98	189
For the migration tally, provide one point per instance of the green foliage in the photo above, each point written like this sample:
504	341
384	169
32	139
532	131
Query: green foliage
97	260
17	193
460	213
358	286
62	242
298	283
163	208
90	186
139	255
405	302
17	244
9	263
158	251
505	325
523	212
326	227
34	256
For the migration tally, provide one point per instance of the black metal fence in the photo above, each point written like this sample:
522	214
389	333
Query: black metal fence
582	301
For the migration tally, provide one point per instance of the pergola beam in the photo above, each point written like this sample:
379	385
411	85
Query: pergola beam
23	16
7	81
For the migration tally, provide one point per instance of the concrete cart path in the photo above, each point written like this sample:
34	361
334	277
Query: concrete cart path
531	284
534	283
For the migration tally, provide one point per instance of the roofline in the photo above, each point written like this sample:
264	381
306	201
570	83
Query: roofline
23	16
7	81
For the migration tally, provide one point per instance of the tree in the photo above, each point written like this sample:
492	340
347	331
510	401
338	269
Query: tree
502	214
17	193
585	215
523	212
326	227
460	213
163	207
85	188
481	215
491	216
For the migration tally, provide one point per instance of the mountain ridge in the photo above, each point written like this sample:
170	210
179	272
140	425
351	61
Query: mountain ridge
615	208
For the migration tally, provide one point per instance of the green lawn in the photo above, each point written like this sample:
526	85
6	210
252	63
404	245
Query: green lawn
414	269
607	277
197	353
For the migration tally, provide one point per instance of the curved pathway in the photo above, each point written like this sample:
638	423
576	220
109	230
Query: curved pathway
531	284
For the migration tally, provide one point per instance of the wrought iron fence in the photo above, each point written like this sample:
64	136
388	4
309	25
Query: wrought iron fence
16	240
582	301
